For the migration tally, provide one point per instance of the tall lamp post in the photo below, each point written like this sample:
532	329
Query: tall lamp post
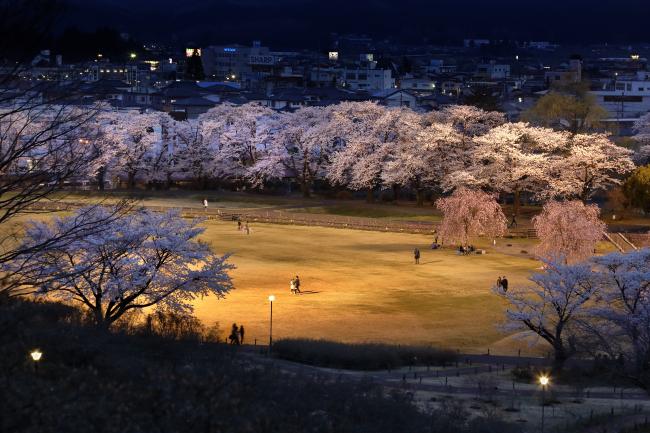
271	299
36	356
543	380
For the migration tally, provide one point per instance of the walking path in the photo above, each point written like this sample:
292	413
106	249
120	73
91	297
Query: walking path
436	380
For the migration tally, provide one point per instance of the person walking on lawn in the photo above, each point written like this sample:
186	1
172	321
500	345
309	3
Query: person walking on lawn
297	284
234	335
416	255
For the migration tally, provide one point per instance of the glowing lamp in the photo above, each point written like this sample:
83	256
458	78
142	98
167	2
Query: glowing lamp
36	355
543	380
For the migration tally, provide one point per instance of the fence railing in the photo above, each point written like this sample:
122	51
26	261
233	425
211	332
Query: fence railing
293	218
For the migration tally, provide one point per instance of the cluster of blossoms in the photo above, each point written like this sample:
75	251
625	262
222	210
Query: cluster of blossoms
359	146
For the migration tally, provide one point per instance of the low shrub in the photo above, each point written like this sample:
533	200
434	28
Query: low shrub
364	356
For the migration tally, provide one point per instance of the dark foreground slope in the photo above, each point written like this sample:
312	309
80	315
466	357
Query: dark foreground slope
137	380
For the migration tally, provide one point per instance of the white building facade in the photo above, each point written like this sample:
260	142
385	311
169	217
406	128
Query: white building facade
627	98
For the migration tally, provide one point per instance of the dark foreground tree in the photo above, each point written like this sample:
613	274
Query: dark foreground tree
45	143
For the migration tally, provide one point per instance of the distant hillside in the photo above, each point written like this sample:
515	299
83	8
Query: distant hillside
309	22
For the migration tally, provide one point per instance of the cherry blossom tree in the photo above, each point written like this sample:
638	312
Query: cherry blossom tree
642	136
196	150
470	213
107	138
642	156
590	163
301	148
511	159
553	307
240	134
642	130
409	161
137	136
467	120
568	230
623	310
364	129
139	260
164	159
460	125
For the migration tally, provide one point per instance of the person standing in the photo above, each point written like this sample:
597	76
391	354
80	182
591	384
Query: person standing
513	223
297	284
238	225
499	284
205	204
241	334
416	255
234	335
292	286
247	229
504	283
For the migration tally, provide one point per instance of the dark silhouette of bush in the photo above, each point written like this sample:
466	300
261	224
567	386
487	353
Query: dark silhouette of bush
364	356
134	380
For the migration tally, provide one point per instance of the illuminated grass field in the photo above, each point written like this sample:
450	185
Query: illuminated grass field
362	285
365	287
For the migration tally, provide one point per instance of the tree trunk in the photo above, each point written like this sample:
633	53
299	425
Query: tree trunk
131	180
560	357
370	195
304	187
395	193
101	322
516	202
101	177
419	196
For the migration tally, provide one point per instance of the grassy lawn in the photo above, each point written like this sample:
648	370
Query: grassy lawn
386	211
364	287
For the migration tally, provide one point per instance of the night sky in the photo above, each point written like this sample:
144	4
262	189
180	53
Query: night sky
307	23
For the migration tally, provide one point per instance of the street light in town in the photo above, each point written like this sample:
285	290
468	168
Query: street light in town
36	356
544	381
271	299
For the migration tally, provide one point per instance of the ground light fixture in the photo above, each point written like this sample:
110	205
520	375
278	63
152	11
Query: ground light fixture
36	356
544	380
